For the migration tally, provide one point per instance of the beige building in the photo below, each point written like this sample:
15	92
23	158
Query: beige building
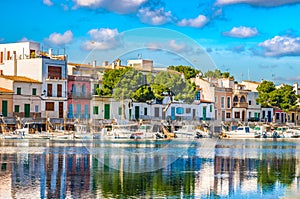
26	96
6	102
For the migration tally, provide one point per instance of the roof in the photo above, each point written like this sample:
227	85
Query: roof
205	101
20	79
4	90
253	82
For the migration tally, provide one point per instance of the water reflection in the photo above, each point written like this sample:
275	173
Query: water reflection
231	169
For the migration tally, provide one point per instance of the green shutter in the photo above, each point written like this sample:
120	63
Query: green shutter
27	110
4	108
19	91
107	111
34	91
95	110
17	108
120	111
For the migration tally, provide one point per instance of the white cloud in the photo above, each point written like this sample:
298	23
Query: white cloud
154	17
241	32
48	2
61	39
262	3
118	6
197	22
280	46
154	46
102	39
176	47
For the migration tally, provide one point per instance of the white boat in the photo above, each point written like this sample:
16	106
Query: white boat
146	131
240	132
28	132
81	132
187	131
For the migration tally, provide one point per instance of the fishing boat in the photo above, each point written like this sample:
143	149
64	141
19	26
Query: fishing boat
82	132
146	131
240	132
187	132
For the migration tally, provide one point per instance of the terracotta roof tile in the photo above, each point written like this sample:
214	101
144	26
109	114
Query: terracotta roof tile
20	79
4	90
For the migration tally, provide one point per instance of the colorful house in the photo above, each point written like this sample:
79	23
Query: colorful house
79	97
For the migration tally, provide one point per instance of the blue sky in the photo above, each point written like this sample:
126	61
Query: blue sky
252	39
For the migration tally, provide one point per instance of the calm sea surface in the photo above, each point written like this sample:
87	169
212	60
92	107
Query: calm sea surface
204	168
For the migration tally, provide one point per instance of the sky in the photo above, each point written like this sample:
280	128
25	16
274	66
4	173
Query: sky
251	39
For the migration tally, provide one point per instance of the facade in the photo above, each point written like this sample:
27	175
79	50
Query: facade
141	64
6	102
254	109
26	59
240	104
26	97
79	97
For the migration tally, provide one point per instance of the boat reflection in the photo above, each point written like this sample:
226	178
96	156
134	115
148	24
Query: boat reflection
73	170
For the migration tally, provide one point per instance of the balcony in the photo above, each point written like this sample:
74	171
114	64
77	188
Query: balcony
72	95
240	105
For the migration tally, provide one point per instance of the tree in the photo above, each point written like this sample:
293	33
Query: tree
188	71
143	94
218	74
284	97
172	83
110	79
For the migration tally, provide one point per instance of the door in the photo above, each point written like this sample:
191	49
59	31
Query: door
173	113
107	111
137	112
27	110
204	113
4	108
243	115
86	111
269	116
223	115
61	109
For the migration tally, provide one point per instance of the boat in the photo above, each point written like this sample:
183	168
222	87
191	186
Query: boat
203	132
32	130
81	132
263	131
146	131
187	132
240	132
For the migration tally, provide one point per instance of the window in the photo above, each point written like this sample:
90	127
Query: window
277	116
120	110
216	99
145	111
198	95
249	102
216	114
236	114
49	106
49	90
95	110
228	102
36	108
228	115
222	102
59	90
96	86
188	110
156	112
19	91
235	99
34	91
210	108
17	108
243	99
179	110
54	72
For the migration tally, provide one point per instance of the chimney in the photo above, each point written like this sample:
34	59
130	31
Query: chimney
50	53
15	63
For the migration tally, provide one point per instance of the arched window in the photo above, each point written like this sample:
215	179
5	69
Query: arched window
243	99
235	99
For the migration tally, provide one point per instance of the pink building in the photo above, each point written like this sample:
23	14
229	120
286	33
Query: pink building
79	97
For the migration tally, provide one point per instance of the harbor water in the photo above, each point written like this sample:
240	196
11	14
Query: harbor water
200	168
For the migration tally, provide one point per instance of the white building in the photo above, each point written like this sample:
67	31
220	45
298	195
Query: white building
26	59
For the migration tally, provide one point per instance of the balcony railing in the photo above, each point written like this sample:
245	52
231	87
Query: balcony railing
72	95
240	105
